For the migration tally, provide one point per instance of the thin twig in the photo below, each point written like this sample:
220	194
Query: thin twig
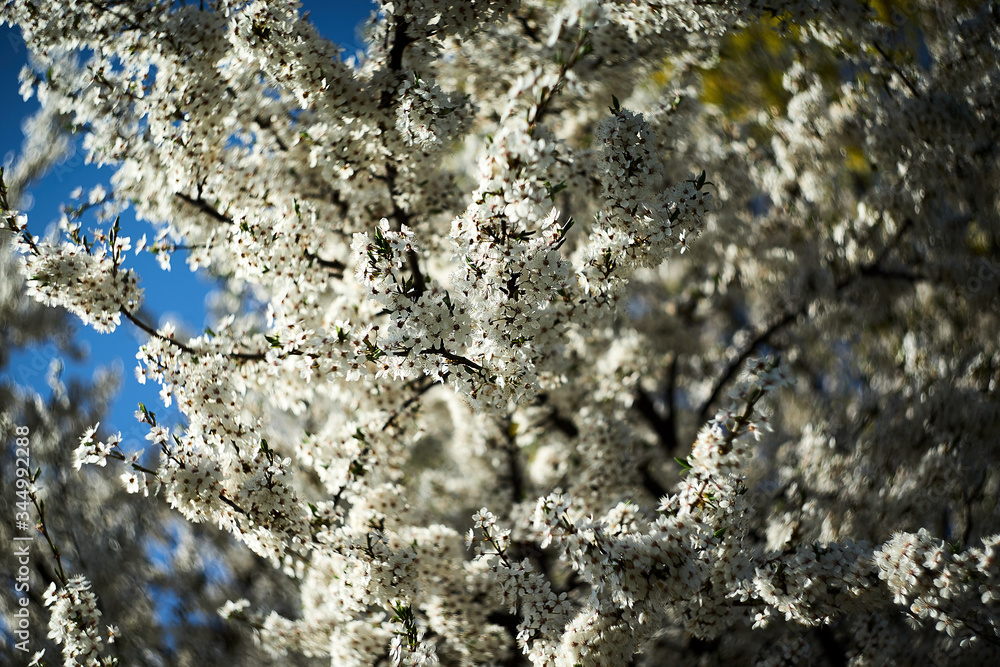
421	390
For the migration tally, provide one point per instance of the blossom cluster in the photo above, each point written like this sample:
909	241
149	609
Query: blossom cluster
73	622
956	591
89	285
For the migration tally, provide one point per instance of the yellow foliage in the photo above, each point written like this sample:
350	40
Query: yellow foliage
748	74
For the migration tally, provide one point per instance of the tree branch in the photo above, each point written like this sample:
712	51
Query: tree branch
872	269
400	218
451	356
134	319
398	412
204	207
664	427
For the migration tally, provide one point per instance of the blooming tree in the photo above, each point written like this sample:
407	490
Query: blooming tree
486	285
158	578
143	557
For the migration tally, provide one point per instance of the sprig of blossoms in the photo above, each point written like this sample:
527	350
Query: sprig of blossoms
73	622
955	590
543	612
92	451
91	285
427	116
637	225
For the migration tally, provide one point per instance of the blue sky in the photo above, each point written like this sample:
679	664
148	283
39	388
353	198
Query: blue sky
178	295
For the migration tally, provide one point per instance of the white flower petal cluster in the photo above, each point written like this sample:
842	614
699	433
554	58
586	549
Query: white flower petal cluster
73	622
91	286
427	116
953	590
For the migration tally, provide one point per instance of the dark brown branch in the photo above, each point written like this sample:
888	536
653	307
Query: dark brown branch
515	472
890	274
531	33
43	529
580	49
872	269
664	427
660	425
400	218
833	650
400	40
509	622
421	390
451	356
154	333
896	68
130	316
564	424
134	319
11	220
749	349
204	207
225	499
334	266
266	124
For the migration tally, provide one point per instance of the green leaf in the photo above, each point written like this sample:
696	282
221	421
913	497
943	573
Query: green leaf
683	463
